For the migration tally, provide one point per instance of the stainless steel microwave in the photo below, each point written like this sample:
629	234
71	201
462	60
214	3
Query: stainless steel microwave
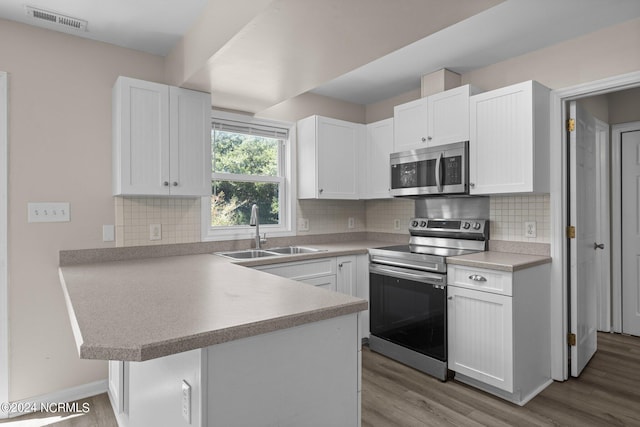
440	170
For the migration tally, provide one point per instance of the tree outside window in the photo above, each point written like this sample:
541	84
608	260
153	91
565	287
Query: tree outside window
246	169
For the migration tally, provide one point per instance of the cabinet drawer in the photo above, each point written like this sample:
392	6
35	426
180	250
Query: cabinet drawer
302	269
324	282
498	282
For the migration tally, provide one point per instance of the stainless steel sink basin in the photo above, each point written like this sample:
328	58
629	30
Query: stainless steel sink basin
248	254
260	253
291	250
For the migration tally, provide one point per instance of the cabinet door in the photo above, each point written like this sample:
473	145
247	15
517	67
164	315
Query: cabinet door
379	145
410	125
141	138
346	277
504	154
337	147
190	144
480	336
116	385
448	116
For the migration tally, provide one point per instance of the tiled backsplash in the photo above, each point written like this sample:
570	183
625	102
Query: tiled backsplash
381	215
180	218
509	214
331	216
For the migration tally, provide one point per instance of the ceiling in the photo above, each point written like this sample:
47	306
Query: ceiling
361	51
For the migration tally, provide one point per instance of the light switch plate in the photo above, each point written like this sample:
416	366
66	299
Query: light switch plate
351	222
48	212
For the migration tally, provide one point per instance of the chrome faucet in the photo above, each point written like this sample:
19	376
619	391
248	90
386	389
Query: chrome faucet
255	221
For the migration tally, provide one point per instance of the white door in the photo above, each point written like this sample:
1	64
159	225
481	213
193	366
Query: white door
4	309
583	215
603	256
630	233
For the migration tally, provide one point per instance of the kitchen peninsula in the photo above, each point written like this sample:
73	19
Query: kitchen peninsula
206	342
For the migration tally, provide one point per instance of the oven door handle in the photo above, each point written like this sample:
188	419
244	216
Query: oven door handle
387	261
420	276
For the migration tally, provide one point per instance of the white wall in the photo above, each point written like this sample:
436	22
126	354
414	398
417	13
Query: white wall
59	150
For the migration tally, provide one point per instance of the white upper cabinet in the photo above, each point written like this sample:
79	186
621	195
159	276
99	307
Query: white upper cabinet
509	140
161	140
328	158
375	172
410	125
438	119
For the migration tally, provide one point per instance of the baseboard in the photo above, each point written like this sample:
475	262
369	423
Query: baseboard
61	396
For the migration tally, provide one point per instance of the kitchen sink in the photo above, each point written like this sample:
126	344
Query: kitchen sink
261	253
248	254
291	250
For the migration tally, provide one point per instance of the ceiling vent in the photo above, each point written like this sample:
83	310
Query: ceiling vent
56	18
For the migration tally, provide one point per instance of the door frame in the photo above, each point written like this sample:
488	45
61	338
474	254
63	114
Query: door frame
559	200
616	226
4	292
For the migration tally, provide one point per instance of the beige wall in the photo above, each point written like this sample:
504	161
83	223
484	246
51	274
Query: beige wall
597	106
604	53
59	150
624	106
308	104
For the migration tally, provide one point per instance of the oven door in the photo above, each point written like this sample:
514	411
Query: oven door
437	170
408	308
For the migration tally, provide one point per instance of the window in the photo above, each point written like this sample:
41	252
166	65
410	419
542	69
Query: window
250	165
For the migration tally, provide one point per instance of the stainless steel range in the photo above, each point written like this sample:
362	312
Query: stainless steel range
408	297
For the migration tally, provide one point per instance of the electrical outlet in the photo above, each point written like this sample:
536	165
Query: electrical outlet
108	233
155	232
48	212
530	229
186	401
303	224
351	222
396	224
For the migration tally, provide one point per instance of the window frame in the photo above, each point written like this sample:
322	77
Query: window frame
287	187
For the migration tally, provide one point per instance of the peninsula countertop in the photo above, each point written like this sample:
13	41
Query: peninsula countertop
136	310
499	260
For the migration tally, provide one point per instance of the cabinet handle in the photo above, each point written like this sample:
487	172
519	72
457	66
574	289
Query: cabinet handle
471	184
598	246
166	183
449	297
429	138
340	265
175	183
424	139
477	278
320	190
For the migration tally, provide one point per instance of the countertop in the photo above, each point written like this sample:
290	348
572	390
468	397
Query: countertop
142	309
503	261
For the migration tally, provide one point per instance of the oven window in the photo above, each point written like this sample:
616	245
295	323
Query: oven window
408	313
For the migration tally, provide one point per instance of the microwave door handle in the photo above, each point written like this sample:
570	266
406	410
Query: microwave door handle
439	172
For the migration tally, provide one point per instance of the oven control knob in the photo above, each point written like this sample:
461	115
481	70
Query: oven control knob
423	223
476	226
414	223
466	225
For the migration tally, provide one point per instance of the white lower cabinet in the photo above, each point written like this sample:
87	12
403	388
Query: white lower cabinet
348	274
303	375
499	330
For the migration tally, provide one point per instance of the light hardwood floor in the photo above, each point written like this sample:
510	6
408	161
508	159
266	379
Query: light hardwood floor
606	394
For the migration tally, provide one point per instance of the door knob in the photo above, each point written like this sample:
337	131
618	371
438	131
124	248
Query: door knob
598	246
